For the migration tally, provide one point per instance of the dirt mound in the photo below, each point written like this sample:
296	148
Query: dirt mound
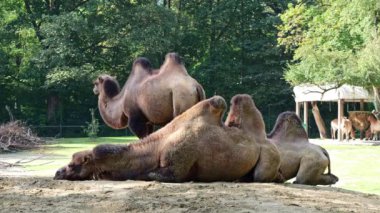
16	135
46	195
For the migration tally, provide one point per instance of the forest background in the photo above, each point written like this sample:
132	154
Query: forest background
52	50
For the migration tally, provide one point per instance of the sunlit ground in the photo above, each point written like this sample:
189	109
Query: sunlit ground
357	166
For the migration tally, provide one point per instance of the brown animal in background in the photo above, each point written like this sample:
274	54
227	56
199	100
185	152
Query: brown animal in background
299	158
148	97
368	134
345	127
244	114
359	121
195	146
374	127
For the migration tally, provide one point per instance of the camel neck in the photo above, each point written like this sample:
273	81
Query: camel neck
143	156
112	112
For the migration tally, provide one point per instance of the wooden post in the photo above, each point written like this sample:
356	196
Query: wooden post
362	133
298	109
361	105
340	116
305	117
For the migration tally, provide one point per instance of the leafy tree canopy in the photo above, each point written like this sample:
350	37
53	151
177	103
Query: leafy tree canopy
333	41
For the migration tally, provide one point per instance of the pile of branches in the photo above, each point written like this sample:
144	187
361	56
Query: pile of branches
16	135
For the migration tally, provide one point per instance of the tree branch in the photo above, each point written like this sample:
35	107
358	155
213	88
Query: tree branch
33	20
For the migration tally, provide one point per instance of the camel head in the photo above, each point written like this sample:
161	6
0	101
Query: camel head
81	167
288	127
106	85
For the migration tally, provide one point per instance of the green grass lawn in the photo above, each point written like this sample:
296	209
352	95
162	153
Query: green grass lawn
45	161
358	167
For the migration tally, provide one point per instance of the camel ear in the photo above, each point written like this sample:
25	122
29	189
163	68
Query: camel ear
101	79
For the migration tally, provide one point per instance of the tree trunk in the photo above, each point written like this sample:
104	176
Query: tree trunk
319	121
376	98
52	104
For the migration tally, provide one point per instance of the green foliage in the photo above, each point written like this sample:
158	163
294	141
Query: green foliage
92	128
369	62
51	51
332	41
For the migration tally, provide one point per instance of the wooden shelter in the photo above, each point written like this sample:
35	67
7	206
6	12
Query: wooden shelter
307	93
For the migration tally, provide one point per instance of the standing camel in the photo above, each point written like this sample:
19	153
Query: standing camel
149	97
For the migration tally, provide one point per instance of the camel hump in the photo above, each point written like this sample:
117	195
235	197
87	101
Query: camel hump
288	128
173	57
144	63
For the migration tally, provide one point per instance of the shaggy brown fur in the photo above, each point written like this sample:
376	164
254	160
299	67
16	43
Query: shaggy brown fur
359	121
243	114
148	97
299	158
194	146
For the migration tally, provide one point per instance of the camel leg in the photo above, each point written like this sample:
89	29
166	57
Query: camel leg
162	175
310	171
333	131
326	179
267	168
139	125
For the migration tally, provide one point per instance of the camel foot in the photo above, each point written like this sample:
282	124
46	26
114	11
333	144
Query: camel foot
162	175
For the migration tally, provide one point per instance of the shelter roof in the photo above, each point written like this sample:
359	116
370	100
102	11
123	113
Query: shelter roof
350	93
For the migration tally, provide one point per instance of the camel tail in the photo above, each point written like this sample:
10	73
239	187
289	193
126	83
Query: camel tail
201	93
328	157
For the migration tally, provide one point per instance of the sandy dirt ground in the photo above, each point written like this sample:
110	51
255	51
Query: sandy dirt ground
39	194
33	191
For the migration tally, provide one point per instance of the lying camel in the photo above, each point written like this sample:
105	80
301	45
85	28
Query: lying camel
374	127
345	127
244	115
195	146
299	158
148	97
